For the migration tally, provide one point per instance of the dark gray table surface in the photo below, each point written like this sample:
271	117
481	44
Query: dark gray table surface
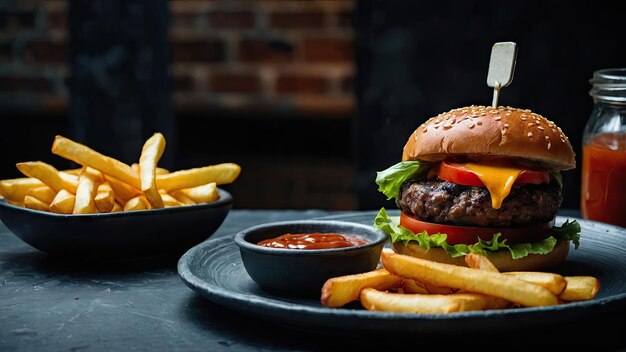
48	304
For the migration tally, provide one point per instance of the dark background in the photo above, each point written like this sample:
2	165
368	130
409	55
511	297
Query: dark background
310	97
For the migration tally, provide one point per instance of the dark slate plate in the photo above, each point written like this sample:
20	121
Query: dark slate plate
123	235
214	270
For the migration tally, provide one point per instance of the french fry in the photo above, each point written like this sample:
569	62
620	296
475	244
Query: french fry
220	174
87	183
202	194
15	189
86	156
479	281
412	286
43	193
105	198
373	299
169	201
580	288
137	203
117	208
150	155
123	192
47	174
555	283
31	202
339	291
181	197
63	202
74	172
159	170
480	262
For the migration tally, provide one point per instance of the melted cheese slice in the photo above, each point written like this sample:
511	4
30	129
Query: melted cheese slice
497	179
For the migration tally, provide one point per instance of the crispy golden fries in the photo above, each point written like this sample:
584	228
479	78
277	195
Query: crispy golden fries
150	156
15	189
159	170
122	191
86	156
63	202
182	197
137	203
339	291
373	299
87	185
220	174
47	174
580	288
555	283
414	286
427	287
43	193
31	202
104	184
202	194
495	284
117	208
169	201
105	198
480	262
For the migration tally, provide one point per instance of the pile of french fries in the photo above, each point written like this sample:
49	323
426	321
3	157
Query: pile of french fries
104	184
413	285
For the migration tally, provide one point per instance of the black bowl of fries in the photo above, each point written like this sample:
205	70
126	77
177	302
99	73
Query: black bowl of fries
107	208
131	234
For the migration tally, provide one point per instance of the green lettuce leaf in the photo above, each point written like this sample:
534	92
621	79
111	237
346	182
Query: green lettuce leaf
567	231
556	177
390	180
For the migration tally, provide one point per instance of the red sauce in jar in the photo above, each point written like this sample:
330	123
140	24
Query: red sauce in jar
312	241
604	179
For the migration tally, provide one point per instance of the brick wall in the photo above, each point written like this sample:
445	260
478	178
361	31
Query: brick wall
262	55
283	67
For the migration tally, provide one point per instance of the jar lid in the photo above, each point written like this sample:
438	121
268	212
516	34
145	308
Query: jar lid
609	85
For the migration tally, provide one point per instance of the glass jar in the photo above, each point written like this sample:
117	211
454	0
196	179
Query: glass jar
603	192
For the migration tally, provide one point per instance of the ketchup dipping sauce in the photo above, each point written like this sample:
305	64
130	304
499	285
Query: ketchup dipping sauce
313	241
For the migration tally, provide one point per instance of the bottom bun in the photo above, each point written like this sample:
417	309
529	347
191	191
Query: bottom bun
501	259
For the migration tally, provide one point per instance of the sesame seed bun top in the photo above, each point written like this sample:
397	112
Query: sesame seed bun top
479	131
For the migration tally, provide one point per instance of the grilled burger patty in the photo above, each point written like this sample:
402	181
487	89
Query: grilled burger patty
435	200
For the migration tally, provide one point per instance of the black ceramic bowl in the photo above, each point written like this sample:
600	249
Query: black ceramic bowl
134	234
303	271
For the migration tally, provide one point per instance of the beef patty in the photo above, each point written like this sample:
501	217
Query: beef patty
435	200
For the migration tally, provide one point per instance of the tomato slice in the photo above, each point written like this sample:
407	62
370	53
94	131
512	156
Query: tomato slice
456	173
470	234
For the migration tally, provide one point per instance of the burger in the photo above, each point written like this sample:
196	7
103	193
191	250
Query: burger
485	180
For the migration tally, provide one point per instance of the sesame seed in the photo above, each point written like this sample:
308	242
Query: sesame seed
479	123
562	140
547	137
447	126
549	145
539	127
423	131
523	118
530	134
498	118
436	127
472	126
506	125
530	124
508	114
